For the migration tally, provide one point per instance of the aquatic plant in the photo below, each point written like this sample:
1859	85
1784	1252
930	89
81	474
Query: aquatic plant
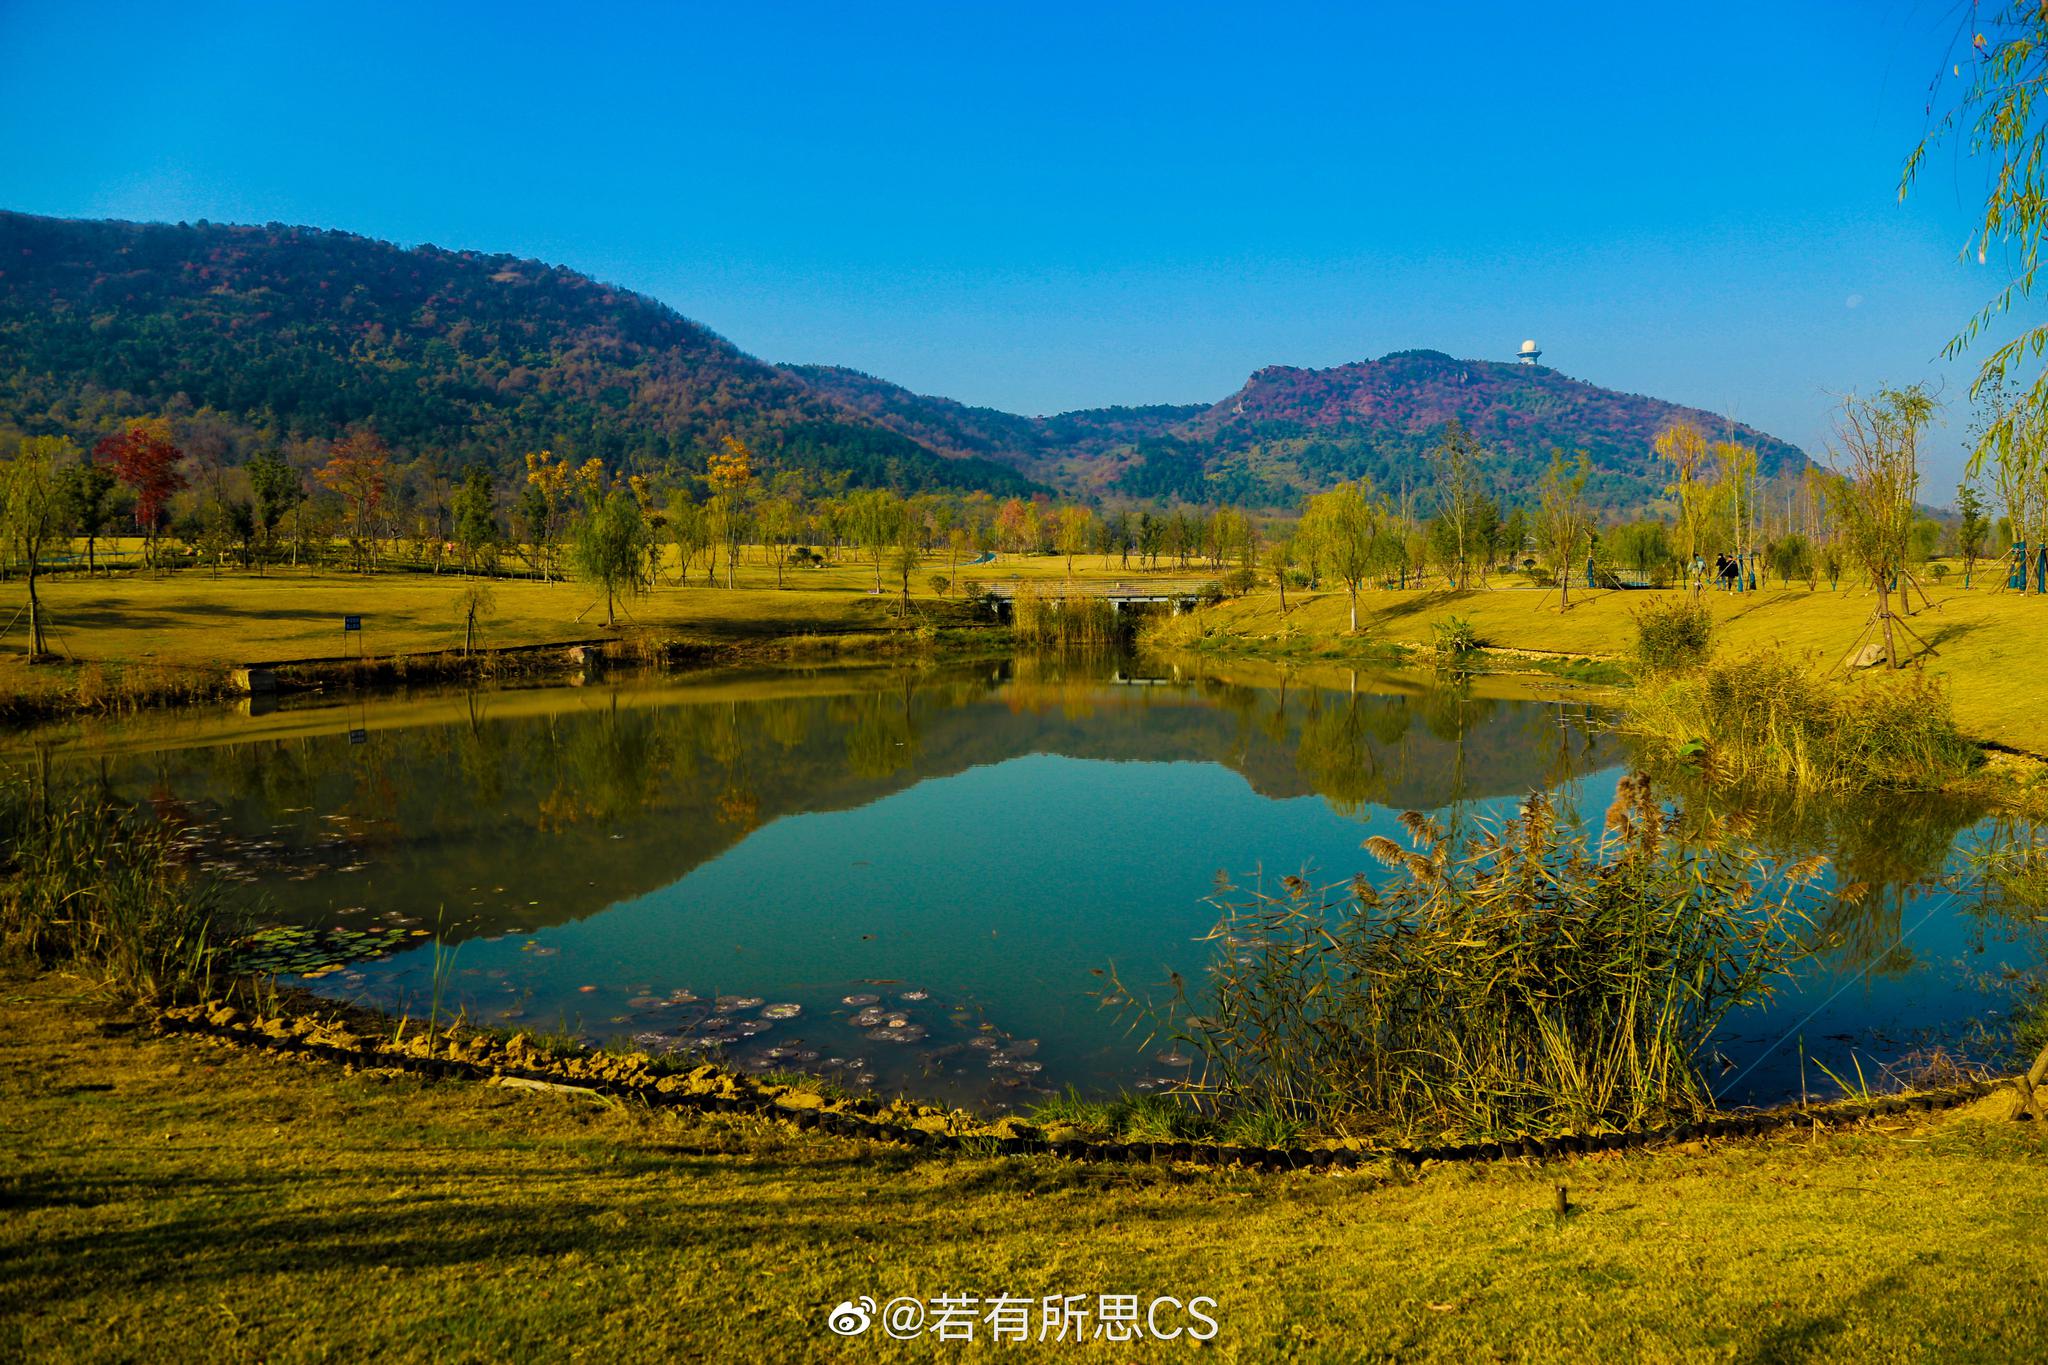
1051	620
95	886
1770	717
1529	977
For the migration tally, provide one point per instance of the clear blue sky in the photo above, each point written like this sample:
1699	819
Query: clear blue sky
1065	207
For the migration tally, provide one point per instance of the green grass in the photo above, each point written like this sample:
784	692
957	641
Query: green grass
169	1197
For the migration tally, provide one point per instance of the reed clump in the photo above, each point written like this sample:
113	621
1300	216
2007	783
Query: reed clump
1774	718
1672	634
93	886
1528	978
1050	620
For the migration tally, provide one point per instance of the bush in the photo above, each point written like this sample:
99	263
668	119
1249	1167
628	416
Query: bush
1238	582
1209	594
1454	635
940	584
1673	634
1777	719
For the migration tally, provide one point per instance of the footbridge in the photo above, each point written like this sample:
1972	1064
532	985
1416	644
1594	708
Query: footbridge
1177	594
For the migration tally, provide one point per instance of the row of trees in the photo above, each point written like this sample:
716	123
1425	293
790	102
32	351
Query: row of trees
353	500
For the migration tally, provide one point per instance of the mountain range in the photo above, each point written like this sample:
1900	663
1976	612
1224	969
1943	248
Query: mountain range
278	334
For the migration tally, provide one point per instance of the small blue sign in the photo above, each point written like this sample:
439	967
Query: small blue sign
351	623
359	736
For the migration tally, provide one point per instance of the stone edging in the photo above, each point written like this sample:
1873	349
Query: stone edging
867	1118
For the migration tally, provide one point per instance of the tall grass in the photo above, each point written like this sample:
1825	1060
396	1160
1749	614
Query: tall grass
1672	634
1773	718
96	887
1526	978
1045	619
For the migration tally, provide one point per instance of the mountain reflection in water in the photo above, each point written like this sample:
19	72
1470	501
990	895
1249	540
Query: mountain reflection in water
913	877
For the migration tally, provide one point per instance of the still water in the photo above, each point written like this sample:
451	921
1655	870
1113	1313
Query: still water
929	879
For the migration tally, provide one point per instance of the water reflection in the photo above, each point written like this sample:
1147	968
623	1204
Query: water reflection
966	844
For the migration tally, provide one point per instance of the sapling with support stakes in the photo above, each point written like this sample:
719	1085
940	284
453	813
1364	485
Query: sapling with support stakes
1876	462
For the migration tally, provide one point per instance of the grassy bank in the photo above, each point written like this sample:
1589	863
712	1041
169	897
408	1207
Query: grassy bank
167	1196
132	641
1987	640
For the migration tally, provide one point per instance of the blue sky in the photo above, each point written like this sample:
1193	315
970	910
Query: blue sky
1041	207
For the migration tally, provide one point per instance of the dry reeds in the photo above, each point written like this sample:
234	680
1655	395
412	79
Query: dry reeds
92	885
1529	978
1772	718
1050	620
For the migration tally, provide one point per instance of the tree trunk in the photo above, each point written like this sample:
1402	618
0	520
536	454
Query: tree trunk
1353	588
36	648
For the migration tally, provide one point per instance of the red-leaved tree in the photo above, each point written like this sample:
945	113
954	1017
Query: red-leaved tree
147	461
359	468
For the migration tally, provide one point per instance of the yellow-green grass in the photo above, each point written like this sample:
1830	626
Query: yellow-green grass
1990	644
167	1197
198	617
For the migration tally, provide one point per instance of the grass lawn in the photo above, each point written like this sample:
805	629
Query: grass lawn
1989	643
173	1198
195	617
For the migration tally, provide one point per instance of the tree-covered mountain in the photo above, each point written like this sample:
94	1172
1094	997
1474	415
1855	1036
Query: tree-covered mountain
285	333
1305	428
1290	431
279	334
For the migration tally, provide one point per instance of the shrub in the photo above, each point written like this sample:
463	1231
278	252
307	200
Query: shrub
1673	634
940	584
1238	582
1454	635
1774	718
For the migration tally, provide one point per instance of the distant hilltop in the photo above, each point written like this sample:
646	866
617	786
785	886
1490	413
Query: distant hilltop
281	333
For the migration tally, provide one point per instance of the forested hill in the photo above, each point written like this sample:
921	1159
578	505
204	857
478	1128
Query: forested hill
291	333
280	334
1293	431
1296	426
1037	445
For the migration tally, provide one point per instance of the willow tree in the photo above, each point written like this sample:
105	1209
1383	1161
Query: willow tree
1683	447
1279	559
608	544
1876	457
874	516
1562	521
1995	82
1736	489
1341	526
1454	463
1070	533
32	517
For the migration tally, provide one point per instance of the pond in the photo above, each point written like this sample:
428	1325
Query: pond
925	879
